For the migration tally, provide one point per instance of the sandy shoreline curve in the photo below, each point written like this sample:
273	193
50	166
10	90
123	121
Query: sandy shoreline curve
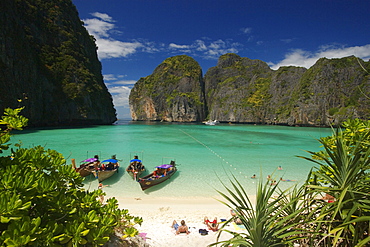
158	214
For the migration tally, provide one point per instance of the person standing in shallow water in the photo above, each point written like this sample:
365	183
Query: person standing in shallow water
100	187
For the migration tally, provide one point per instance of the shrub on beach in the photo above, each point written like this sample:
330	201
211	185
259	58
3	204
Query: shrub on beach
43	202
302	215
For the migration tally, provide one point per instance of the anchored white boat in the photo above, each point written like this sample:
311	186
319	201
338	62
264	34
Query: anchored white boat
212	122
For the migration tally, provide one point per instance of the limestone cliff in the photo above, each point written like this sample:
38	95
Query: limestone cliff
242	90
237	89
49	64
174	92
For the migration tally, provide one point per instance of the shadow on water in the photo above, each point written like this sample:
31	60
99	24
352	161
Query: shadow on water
29	130
163	184
115	178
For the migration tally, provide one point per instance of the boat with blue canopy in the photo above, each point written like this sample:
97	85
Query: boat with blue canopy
135	168
107	168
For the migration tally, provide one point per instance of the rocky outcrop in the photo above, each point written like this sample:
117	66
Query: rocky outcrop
174	92
242	90
237	89
49	64
331	91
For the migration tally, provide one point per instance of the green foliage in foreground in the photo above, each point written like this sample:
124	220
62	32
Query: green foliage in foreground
300	215
43	203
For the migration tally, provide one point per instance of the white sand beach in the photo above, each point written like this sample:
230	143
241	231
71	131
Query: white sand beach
158	215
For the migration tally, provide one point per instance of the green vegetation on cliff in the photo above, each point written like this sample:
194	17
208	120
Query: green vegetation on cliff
175	88
245	90
50	59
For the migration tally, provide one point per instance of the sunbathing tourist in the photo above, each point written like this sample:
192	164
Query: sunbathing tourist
328	198
237	220
212	225
180	229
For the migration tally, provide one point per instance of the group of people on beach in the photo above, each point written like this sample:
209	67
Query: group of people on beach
183	228
211	225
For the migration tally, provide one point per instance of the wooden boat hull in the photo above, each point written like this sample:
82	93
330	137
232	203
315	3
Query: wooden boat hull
83	172
146	182
137	175
104	174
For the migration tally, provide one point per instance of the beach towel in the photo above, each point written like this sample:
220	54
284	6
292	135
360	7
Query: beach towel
238	227
143	235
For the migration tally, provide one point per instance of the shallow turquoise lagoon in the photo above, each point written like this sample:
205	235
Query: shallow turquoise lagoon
206	155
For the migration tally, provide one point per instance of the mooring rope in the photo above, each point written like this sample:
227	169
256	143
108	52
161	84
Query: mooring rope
216	154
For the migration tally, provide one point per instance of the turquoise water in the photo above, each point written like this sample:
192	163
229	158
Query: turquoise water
206	155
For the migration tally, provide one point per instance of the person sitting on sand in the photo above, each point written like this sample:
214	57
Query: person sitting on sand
328	198
237	220
212	225
180	229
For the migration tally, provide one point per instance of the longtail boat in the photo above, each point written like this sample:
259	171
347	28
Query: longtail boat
107	169
161	174
86	168
135	168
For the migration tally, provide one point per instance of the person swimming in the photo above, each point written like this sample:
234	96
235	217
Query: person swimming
287	180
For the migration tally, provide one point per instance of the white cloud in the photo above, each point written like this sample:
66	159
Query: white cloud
103	16
246	30
112	77
200	45
301	58
209	49
109	77
120	95
109	48
101	27
98	28
220	47
124	82
175	46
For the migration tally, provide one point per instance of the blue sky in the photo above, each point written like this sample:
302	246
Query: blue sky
135	36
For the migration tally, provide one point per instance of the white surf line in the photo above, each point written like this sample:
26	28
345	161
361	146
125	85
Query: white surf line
201	143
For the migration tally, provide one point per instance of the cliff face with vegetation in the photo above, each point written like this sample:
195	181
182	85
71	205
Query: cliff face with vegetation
242	90
174	92
49	64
